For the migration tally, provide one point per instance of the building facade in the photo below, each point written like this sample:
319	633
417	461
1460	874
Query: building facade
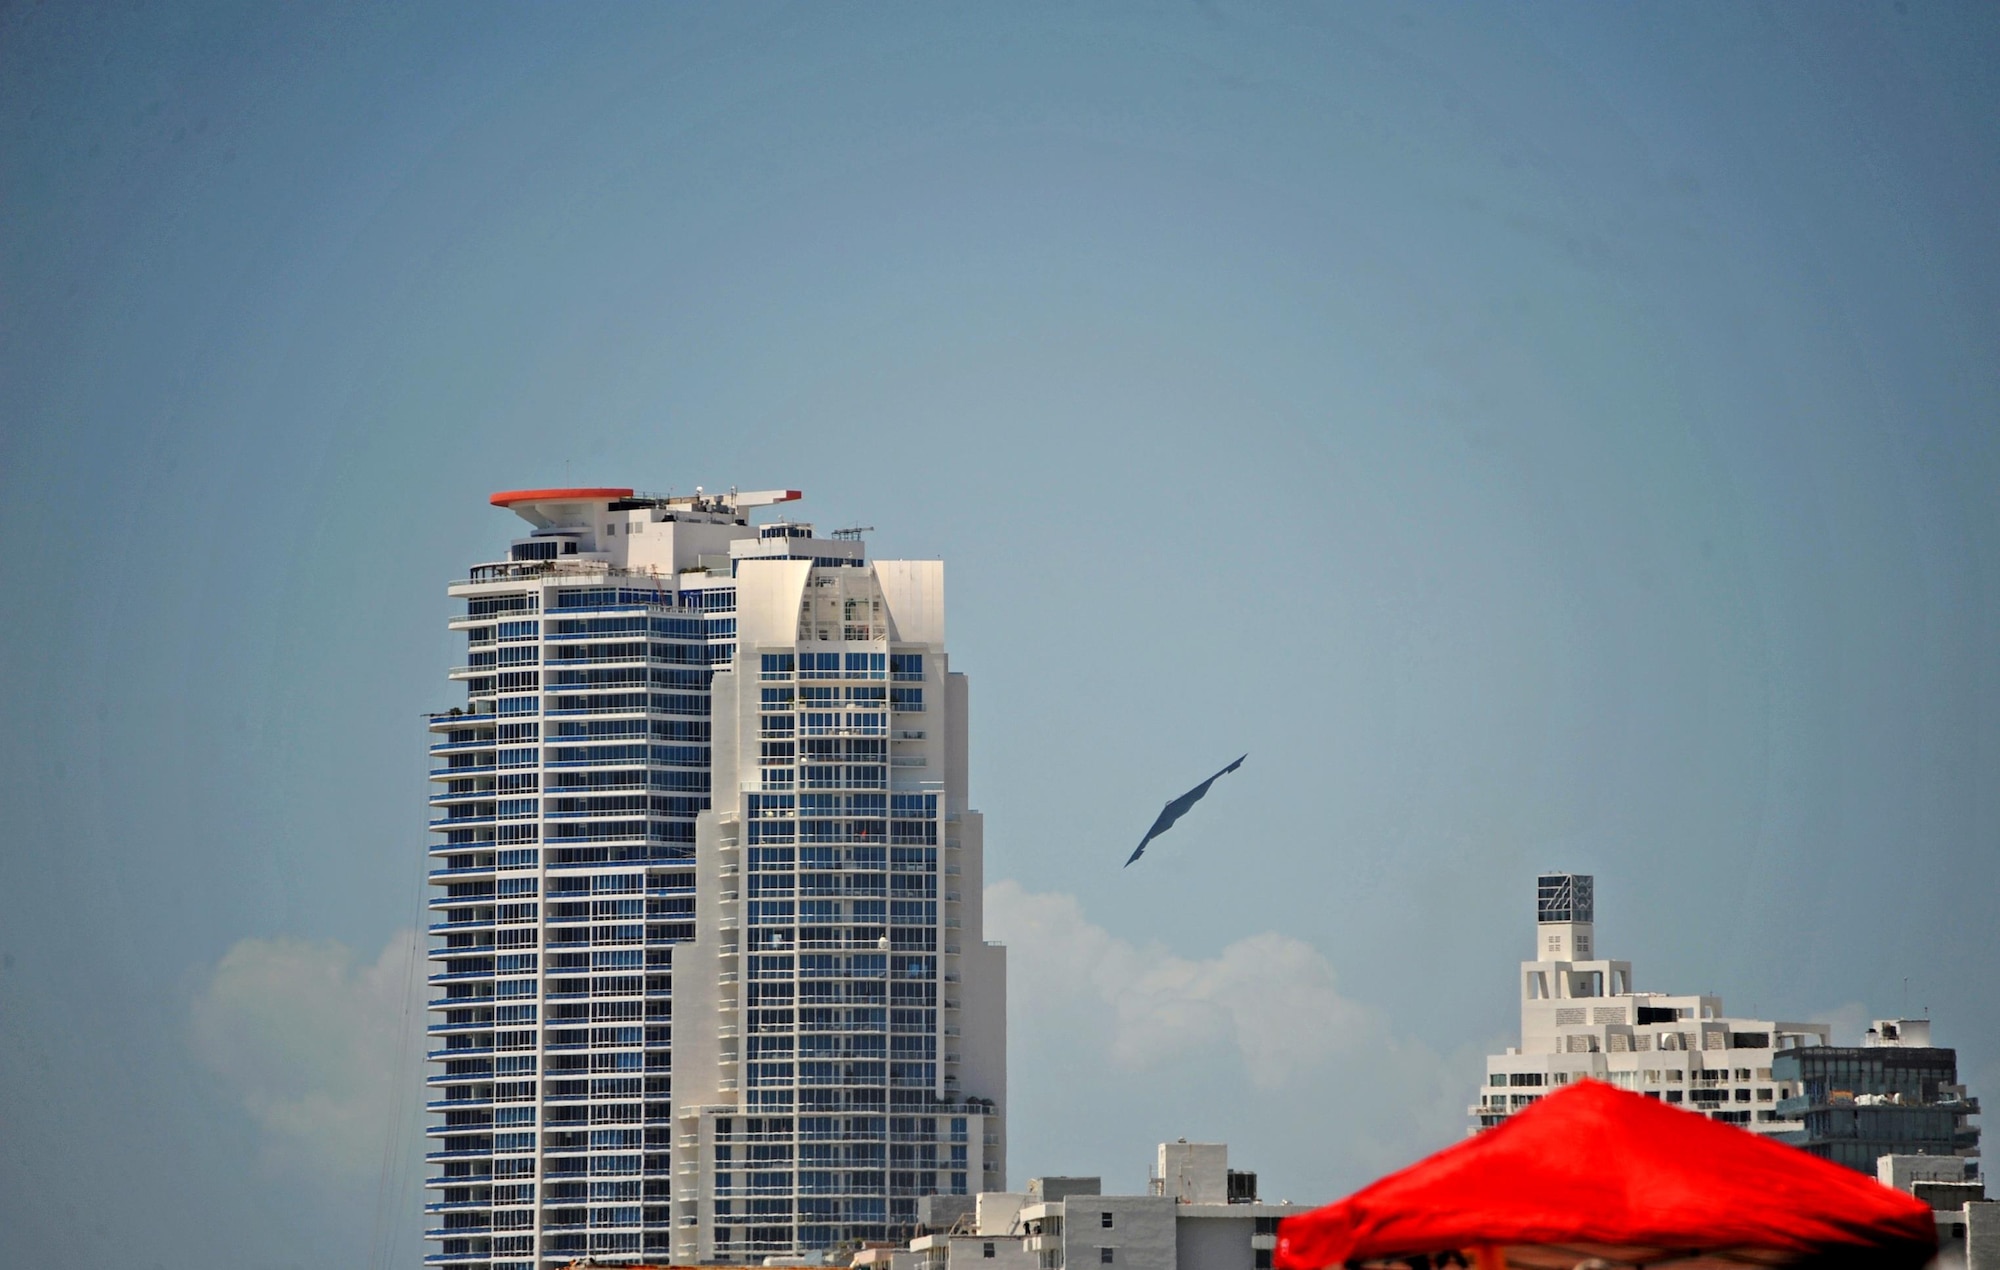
1582	1017
1968	1224
1895	1094
1198	1214
707	985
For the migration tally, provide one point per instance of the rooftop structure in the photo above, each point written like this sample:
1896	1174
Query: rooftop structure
1894	1094
1198	1214
1582	1016
720	764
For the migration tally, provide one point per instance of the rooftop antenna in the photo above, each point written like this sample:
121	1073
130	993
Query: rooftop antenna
853	532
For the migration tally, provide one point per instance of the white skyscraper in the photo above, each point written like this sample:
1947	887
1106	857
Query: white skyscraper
711	982
1582	1017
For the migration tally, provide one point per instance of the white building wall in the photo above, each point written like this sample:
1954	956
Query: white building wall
998	1212
858	1148
980	992
1586	1019
1151	1232
1215	1243
1194	1172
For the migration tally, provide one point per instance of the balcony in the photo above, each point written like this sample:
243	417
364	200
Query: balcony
481	899
459	977
477	923
463	822
448	1028
439	1056
582	566
457	1130
450	719
590	762
485	846
565	834
465	945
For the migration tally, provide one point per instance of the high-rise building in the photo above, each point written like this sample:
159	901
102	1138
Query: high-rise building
1583	1017
1894	1094
717	766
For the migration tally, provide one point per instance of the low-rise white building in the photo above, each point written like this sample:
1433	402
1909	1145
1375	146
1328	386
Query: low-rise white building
1583	1017
1968	1224
989	1237
1199	1215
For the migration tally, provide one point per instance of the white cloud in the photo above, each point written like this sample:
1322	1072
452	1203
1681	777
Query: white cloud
324	1052
1115	1045
1270	996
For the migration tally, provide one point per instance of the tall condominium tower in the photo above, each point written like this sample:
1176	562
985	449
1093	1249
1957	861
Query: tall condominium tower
710	977
1582	1017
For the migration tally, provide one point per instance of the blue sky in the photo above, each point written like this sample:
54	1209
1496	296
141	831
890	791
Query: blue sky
1541	436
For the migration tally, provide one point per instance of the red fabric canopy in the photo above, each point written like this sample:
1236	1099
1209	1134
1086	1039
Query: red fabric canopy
1596	1172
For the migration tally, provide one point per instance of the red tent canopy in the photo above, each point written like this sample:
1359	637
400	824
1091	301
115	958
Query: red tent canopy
1596	1172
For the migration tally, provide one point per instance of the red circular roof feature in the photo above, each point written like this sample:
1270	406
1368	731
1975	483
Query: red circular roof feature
507	498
